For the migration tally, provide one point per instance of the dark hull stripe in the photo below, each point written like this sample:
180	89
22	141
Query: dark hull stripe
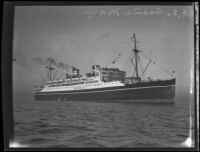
136	101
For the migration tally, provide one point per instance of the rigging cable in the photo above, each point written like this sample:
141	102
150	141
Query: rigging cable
61	75
140	64
43	78
162	68
54	74
133	67
127	61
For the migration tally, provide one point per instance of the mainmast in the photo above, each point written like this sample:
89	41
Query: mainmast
136	51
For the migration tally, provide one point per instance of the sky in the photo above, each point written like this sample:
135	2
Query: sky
82	36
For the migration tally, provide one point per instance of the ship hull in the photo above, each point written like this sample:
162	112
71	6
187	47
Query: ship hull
149	92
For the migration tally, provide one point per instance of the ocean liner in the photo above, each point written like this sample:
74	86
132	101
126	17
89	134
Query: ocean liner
108	84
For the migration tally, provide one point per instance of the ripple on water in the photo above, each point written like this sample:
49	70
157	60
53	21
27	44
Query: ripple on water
50	124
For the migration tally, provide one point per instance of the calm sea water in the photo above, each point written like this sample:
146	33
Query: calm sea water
95	124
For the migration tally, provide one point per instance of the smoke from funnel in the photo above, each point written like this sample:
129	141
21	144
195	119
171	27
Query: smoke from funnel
59	65
62	65
40	61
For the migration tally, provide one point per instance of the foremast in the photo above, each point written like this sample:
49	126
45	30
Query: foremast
50	69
